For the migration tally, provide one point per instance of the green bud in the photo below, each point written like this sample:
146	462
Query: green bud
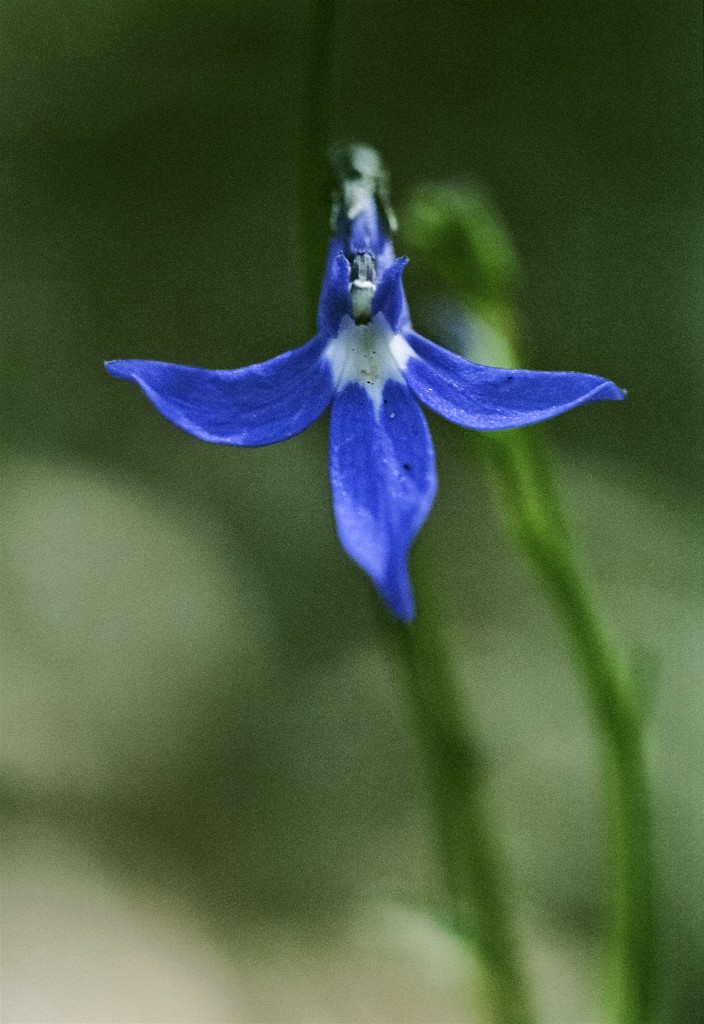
463	244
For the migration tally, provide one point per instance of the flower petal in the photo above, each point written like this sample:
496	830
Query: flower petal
257	405
487	398
382	471
390	299
335	299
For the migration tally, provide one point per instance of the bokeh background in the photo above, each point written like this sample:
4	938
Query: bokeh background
212	802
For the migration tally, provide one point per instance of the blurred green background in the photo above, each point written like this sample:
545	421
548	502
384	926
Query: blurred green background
212	802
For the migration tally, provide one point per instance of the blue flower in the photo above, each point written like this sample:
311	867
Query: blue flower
368	363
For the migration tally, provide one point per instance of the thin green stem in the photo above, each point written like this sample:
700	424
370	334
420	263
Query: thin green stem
314	138
467	850
528	495
465	247
474	881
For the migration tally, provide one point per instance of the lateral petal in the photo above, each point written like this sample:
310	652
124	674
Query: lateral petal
335	302
487	398
390	299
256	405
382	472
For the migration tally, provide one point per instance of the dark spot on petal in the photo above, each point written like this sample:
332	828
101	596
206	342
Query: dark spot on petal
406	467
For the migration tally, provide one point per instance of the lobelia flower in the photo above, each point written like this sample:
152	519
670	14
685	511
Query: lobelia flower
368	363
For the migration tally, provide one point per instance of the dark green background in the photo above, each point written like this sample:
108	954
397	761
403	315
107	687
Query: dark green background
193	686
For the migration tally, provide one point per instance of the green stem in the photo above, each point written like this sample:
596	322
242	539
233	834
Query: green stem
475	882
528	495
465	247
314	139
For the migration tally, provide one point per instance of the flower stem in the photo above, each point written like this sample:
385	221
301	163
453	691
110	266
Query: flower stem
481	911
464	245
314	138
526	489
480	907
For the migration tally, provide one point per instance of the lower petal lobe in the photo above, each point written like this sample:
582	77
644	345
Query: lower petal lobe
257	405
487	398
382	472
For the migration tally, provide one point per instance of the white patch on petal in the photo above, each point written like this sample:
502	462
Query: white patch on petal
400	350
368	354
